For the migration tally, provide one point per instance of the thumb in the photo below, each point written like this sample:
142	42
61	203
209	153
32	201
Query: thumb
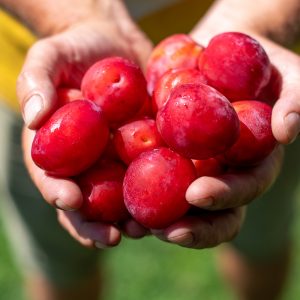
286	111
36	84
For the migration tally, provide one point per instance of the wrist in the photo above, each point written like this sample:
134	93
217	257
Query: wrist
218	19
48	17
278	22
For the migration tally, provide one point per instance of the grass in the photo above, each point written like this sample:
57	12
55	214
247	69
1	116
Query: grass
139	269
149	269
10	278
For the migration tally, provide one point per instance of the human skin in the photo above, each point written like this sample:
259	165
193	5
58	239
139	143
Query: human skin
274	34
90	31
234	190
230	191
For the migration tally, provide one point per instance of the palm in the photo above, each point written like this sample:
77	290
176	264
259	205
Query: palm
62	60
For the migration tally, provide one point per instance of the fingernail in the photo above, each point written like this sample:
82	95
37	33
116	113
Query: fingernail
32	108
186	239
100	245
203	202
61	205
292	124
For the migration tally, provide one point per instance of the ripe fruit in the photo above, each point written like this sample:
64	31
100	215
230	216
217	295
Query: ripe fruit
208	167
66	95
118	86
197	131
154	187
256	140
145	111
71	140
170	80
102	192
236	65
198	122
176	51
136	137
271	92
110	151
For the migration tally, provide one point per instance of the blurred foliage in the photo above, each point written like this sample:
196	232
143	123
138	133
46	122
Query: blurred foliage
10	278
151	270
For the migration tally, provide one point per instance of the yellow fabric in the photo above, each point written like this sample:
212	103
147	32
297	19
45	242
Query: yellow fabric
180	18
14	42
15	39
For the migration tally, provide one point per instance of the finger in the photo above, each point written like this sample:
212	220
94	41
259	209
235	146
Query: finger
204	231
89	234
236	188
286	111
59	192
134	230
37	81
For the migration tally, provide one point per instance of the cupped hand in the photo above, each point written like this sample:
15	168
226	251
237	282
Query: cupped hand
222	200
286	111
220	203
61	60
65	194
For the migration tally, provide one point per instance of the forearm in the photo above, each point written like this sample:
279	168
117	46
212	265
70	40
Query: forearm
48	17
276	19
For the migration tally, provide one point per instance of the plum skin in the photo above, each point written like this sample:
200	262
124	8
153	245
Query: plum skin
101	187
236	65
175	51
135	137
256	140
154	187
71	140
198	122
118	86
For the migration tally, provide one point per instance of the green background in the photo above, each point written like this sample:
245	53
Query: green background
149	269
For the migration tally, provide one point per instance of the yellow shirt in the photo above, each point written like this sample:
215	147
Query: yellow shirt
14	42
15	39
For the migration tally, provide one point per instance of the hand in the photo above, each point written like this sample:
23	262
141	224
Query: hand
224	198
286	111
62	59
247	17
222	202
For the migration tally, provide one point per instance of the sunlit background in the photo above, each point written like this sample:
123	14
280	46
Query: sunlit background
149	269
152	270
